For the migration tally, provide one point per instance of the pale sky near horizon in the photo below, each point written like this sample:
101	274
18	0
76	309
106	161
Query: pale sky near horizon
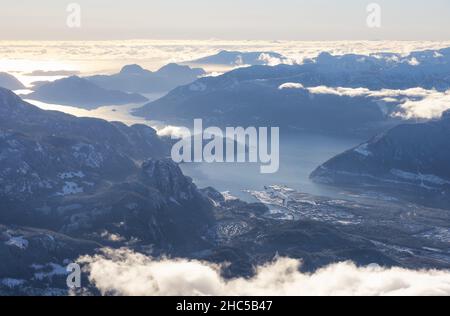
225	19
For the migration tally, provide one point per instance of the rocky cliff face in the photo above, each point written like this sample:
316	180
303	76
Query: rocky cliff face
168	179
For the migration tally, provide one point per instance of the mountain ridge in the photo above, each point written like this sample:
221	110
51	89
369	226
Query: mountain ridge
10	82
79	92
134	78
411	159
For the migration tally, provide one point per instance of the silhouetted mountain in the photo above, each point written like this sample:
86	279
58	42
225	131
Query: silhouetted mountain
133	78
8	81
82	93
410	160
233	58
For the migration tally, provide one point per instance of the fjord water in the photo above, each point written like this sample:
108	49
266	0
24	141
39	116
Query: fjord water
119	113
300	154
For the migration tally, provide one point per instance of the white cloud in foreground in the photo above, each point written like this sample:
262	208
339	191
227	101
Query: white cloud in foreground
98	57
123	272
414	103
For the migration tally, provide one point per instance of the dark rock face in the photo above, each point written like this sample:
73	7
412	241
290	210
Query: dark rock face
410	159
134	78
79	92
168	179
8	81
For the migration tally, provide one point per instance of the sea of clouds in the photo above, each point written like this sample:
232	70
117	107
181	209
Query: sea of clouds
124	272
414	103
90	57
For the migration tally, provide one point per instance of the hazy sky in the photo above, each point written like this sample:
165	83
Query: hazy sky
226	19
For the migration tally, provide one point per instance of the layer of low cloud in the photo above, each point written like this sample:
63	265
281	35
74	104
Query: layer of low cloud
274	61
414	103
123	272
100	56
432	106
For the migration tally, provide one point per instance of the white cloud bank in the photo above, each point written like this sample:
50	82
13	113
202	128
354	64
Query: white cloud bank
123	272
431	106
98	57
274	61
414	103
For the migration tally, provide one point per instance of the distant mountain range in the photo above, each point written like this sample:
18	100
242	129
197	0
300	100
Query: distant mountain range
426	69
82	93
133	78
411	160
236	58
280	95
10	82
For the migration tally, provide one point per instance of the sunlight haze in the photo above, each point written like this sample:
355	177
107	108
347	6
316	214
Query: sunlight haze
232	19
